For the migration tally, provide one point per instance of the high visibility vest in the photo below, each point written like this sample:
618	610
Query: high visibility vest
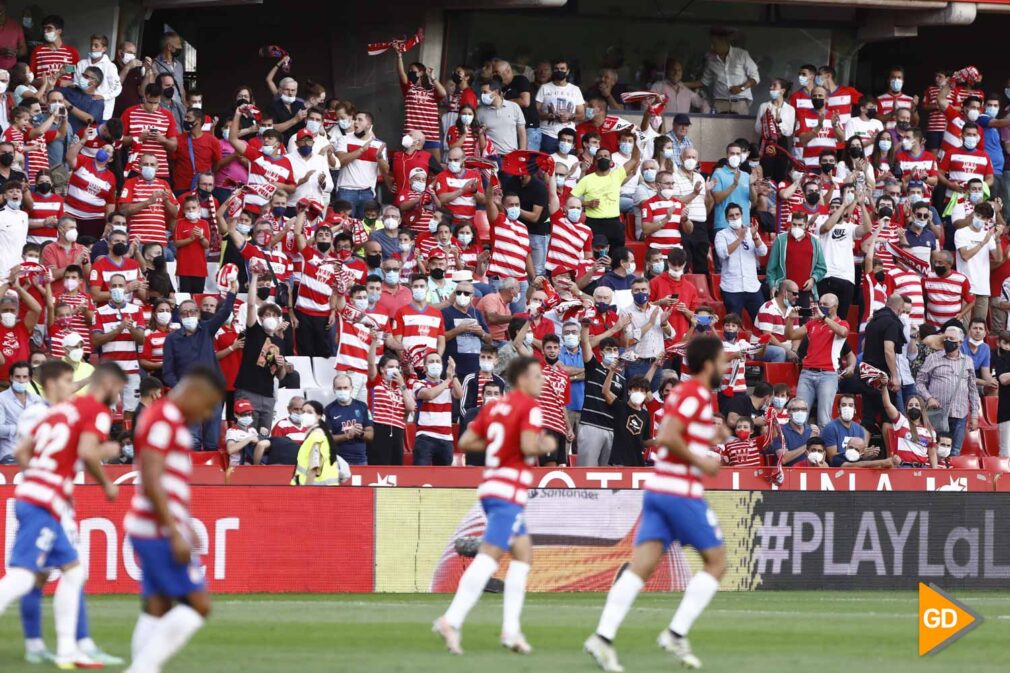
329	473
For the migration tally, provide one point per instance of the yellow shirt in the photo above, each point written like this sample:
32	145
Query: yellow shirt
606	188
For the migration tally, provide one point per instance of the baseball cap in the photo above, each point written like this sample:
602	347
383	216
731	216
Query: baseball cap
243	407
417	170
304	133
72	340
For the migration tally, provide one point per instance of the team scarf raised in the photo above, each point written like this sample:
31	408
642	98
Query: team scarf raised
401	45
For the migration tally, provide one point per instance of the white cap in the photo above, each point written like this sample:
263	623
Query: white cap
72	340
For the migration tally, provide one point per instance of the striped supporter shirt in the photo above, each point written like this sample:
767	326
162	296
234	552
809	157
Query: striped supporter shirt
556	393
420	110
150	224
44	206
137	120
771	320
104	268
34	149
570	241
434	416
824	139
944	296
264	170
418	330
154	346
510	246
48	58
909	449
78	322
962	165
907	283
387	403
691	404
123	349
90	191
657	209
464	206
319	273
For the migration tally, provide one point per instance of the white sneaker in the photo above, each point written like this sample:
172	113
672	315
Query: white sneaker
76	660
680	648
516	643
603	654
449	634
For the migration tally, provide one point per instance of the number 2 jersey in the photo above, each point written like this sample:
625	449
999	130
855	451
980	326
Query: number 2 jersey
691	404
162	428
49	479
501	424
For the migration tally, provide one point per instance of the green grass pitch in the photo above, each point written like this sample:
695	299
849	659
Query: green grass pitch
754	632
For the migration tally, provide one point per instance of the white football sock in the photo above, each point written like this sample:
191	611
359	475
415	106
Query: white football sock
86	645
66	604
471	585
515	593
622	595
141	633
697	595
35	645
15	584
169	635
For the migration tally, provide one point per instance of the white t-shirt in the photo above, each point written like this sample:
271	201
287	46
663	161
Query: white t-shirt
574	168
629	187
558	99
977	268
868	129
838	256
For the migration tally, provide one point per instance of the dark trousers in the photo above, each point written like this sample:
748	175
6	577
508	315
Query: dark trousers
432	451
736	302
696	247
386	447
842	289
207	435
192	284
873	411
312	336
611	227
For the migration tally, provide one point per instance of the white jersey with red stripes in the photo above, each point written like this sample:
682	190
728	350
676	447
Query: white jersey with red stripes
734	378
890	102
510	245
137	120
910	449
962	165
90	190
944	296
266	170
464	206
319	273
49	479
570	241
150	224
122	349
162	429
908	283
44	206
824	138
434	416
507	475
691	404
658	209
418	329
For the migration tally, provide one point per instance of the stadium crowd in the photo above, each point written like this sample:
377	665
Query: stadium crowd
365	296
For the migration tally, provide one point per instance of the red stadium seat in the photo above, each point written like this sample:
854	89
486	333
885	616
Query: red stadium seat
629	226
700	283
890	439
972	445
637	249
990	404
853	318
716	290
964	462
996	464
853	338
990	440
782	372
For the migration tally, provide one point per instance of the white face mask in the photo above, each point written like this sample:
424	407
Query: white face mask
418	294
852	455
733	160
676	274
407	142
571	340
690	164
797	232
798	417
486	365
361	304
434	369
309	420
847	413
735	223
244	421
71	284
76	354
391	223
815	457
343	395
418	185
129	58
636	397
270	323
631	268
464	300
189	323
465	239
163	317
666	193
192	215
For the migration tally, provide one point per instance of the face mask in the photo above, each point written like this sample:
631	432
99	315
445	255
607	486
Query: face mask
884	145
323	246
855	152
735	223
391	223
774	94
405	248
668	153
649	174
977	224
71	284
76	355
625	148
43	187
486	98
871	112
733	160
970	142
305	151
676	274
574	214
361	303
603	164
690	164
467	119
657	267
287	100
391	277
631	268
49	35
434	370
879	276
6	159
571	340
815	457
992	110
637	397
148	172
804	80
19	386
267	150
455	166
465	239
512	212
313	126
942	451
798	417
343	396
730	334
906	144
309	420
486	365
666	193
742	434
464	300
438	274
975	197
641	298
391	373
243	229
940	269
779	402
609	359
972	115
270	323
189	323
192	215
564	147
244	421
949	346
119	249
344	124
754	163
163	317
797	232
818	103
847	413
14	204
593	149
117	295
419	293
819	80
852	455
418	185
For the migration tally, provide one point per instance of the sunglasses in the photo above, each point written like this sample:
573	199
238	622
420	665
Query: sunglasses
461	293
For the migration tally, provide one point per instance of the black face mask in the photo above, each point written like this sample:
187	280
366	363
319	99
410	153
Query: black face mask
940	270
263	293
949	346
119	249
323	246
204	193
412	77
914	414
558	75
188	125
206	315
373	261
827	168
550	360
456	78
855	152
44	187
871	113
438	274
603	163
168	92
879	276
159	262
6	159
818	103
813	198
904	126
241	100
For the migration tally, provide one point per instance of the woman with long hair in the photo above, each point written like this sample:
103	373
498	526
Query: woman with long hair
421	94
152	354
662	152
777	166
468	134
916	438
882	161
392	402
462	94
318	463
854	160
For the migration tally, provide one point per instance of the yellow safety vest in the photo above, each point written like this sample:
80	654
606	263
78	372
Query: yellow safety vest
329	474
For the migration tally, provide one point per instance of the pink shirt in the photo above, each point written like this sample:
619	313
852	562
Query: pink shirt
232	175
493	303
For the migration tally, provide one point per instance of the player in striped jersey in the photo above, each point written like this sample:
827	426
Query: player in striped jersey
510	434
71	432
159	523
673	509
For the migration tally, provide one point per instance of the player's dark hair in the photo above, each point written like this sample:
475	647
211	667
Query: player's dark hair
701	350
50	370
111	370
517	368
210	376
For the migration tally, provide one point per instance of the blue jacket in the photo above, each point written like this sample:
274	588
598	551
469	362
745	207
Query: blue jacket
182	350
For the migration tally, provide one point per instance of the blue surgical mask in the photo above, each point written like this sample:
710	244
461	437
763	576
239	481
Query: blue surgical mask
609	359
117	295
392	277
574	214
626	148
649	174
373	297
559	180
641	298
486	98
593	150
148	172
512	212
975	197
19	386
668	153
818	80
590	113
657	267
774	94
455	166
101	156
564	147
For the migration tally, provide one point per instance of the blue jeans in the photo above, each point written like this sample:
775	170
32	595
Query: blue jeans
736	302
957	429
519	305
538	248
533	137
548	144
357	198
207	435
820	386
432	451
773	354
641	368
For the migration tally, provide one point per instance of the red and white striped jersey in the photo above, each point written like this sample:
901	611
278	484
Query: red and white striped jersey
123	349
363	172
49	479
47	58
944	296
807	121
889	102
387	404
285	428
417	218
924	165
208	209
874	296
104	268
889	234
418	330
510	246
162	428
742	452
43	206
937	121
352	348
420	110
734	378
501	425
90	191
151	223
655	210
960	165
78	323
801	99
319	273
907	283
570	241
469	146
771	320
136	120
952	130
691	404
840	102
555	394
154	346
264	170
94	142
787	206
909	449
35	150
434	416
280	263
464	206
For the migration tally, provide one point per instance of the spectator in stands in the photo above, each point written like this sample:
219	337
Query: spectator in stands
466	330
604	387
731	186
671	289
882	346
474	382
291	425
243	442
362	158
148	203
1001	371
799	258
433	443
13	403
12	39
496	309
790	442
558	103
945	382
738	248
844	433
977	251
263	360
349	422
751	405
110	85
393	295
622	271
977	349
421	93
730	74
681	98
198	152
502	119
54	57
168	61
600	191
318	464
646	330
825	333
150	391
392	403
948	292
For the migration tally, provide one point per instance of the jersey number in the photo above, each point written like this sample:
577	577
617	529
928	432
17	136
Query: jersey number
495	438
49	440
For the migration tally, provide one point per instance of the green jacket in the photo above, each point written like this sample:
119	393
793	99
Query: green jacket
776	271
